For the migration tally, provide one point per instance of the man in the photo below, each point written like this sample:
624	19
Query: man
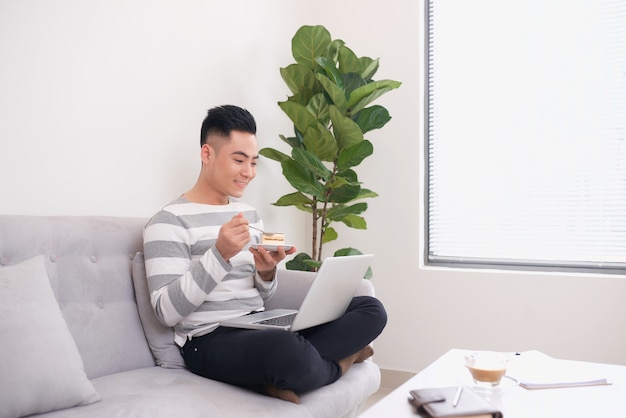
200	272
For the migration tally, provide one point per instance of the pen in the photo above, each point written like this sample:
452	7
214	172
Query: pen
457	395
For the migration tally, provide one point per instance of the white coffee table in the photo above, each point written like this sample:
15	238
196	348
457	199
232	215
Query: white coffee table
607	401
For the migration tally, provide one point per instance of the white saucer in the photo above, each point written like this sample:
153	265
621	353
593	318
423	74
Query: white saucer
271	247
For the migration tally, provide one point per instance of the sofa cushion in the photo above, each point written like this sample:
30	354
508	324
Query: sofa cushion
41	367
160	338
157	392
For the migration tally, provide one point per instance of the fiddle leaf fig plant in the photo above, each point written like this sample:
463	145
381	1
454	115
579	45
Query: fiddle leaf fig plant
331	108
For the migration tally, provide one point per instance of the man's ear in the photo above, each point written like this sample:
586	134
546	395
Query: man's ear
206	153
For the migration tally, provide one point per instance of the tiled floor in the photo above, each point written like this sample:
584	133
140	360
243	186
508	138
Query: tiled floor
390	379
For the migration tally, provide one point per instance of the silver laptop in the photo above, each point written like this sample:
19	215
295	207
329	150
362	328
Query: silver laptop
328	298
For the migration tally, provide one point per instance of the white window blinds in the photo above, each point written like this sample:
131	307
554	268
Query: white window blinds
526	132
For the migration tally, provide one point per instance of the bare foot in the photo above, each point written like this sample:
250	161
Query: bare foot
284	394
364	354
358	357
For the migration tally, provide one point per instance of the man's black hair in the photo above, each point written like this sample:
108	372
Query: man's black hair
221	120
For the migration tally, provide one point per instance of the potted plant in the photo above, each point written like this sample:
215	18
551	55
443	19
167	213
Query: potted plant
330	107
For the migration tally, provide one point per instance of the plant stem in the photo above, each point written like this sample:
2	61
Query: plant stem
323	223
323	229
315	218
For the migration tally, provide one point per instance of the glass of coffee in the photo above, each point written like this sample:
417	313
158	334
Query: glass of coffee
486	367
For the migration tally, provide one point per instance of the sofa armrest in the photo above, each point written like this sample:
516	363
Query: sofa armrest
293	286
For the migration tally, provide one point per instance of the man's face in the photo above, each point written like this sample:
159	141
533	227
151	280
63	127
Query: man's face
230	166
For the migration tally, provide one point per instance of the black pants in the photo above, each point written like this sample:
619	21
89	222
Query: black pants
299	361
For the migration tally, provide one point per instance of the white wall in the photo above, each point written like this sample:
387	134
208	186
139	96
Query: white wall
100	110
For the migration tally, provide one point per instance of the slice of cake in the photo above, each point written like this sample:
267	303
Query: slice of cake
273	238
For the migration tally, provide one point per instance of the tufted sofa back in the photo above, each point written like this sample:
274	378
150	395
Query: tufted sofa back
89	262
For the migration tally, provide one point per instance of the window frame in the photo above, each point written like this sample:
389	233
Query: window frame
471	263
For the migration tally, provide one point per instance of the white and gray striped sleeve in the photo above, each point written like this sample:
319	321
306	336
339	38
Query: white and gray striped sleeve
178	281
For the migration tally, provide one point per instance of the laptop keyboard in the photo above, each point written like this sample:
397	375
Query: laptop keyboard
280	321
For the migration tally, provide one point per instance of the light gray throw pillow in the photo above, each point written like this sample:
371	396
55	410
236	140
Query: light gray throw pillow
41	368
160	338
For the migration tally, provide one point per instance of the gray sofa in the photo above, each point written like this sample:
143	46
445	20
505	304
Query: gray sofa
79	338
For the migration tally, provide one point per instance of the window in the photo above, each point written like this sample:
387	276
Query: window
526	133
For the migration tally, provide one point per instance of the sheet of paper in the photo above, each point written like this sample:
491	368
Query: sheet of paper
535	370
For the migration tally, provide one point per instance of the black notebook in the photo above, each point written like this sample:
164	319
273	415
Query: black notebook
438	403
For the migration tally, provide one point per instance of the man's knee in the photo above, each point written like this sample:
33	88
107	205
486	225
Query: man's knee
373	309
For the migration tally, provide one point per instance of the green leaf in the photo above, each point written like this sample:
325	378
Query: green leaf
338	182
354	221
301	118
344	194
346	131
332	51
303	97
366	94
366	193
354	155
349	175
318	107
301	178
368	274
329	235
369	66
351	82
298	77
338	212
305	208
308	43
348	61
294	142
312	163
336	94
299	136
273	154
370	118
302	262
331	70
293	199
347	251
314	264
319	141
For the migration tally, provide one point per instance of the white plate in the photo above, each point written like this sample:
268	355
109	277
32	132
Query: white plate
271	247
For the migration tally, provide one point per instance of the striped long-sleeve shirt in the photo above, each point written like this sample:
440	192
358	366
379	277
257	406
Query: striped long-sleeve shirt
191	287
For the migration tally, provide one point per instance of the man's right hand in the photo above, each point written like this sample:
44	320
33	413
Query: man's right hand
233	236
